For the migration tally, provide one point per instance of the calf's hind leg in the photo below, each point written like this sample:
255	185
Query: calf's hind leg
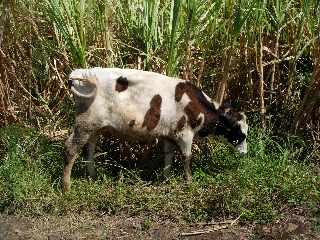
88	152
73	145
168	149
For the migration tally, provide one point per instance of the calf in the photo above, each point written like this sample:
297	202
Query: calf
143	106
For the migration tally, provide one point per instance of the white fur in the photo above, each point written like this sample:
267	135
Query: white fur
215	104
242	147
118	108
243	124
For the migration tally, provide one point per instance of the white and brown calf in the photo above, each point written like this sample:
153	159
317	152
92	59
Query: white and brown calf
143	106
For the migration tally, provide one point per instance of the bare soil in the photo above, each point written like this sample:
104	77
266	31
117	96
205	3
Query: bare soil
92	226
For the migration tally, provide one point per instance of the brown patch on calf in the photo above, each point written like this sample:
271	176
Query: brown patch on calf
198	103
180	90
122	84
181	123
193	110
152	116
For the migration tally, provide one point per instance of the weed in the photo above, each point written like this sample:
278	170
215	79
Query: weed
146	224
225	184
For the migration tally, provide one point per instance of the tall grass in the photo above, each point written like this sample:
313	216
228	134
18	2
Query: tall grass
172	57
197	39
68	18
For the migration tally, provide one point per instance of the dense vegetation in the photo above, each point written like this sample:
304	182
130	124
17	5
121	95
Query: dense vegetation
262	56
274	175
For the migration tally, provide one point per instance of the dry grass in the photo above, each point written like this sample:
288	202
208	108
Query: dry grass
257	54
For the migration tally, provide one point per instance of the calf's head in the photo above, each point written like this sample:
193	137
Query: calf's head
233	127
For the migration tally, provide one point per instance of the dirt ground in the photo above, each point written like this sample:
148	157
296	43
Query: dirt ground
91	227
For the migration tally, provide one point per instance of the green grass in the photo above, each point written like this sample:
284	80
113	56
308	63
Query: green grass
256	186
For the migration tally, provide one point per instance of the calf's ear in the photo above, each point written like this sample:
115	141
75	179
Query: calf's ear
225	105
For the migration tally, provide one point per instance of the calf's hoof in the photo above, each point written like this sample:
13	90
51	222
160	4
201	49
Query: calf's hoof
66	187
188	179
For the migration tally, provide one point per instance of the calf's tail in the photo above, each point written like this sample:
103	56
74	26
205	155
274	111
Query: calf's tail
83	86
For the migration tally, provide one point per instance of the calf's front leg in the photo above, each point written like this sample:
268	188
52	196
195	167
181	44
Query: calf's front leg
185	144
168	149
